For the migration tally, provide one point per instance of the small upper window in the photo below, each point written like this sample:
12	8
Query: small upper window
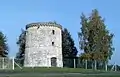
53	31
52	43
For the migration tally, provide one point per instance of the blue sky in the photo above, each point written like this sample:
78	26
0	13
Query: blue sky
15	14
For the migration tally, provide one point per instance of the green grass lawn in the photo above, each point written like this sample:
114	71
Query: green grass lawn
87	73
70	76
54	70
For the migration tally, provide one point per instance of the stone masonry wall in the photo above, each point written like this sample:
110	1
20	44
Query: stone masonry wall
39	49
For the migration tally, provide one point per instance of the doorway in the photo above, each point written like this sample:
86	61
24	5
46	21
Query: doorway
53	61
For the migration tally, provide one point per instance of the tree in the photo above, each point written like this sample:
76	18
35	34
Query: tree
95	39
3	45
69	50
21	43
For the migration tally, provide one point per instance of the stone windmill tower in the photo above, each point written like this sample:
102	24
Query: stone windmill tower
43	45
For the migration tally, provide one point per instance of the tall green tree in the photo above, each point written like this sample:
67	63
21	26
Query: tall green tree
69	50
21	43
3	45
95	39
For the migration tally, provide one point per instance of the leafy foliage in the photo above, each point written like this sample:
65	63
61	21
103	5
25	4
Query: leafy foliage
3	45
95	39
69	50
21	43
